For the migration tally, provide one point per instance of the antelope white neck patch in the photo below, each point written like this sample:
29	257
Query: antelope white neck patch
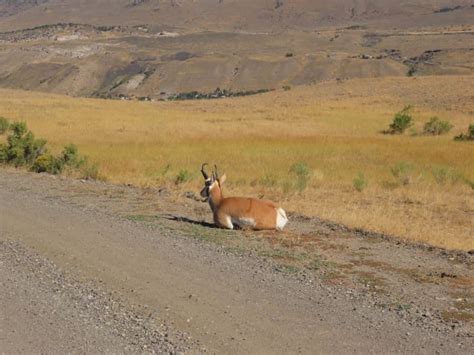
212	185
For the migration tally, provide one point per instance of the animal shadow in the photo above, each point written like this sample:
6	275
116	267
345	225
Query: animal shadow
190	221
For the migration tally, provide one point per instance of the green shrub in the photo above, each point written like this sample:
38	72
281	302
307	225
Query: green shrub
3	153
183	176
18	129
360	182
436	127
70	156
401	121
42	163
286	87
47	163
4	124
403	172
469	136
23	149
303	174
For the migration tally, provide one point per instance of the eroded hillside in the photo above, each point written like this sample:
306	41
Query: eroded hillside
151	49
232	15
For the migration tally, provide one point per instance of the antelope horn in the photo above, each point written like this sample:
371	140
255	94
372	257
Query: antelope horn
217	174
203	172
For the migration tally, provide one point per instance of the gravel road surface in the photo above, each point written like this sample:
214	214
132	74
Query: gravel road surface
77	276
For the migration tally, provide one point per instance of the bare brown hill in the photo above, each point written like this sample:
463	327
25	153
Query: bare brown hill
231	15
149	49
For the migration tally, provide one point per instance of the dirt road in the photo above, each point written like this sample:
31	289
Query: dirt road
77	275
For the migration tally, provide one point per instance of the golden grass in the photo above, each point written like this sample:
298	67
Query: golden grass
333	128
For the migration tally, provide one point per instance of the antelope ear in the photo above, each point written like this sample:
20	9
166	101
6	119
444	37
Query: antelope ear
222	179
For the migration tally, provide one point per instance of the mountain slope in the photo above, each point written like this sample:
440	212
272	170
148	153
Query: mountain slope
246	15
153	49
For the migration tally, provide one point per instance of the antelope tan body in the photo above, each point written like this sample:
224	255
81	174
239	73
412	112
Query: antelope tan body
244	212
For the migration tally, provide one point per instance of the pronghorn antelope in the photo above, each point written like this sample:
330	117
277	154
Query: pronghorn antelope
243	212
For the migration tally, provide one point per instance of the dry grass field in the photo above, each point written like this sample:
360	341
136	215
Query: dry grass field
303	147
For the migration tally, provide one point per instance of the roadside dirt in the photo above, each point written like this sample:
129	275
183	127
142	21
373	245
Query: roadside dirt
89	266
45	311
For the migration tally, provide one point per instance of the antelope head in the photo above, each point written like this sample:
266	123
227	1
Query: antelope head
211	183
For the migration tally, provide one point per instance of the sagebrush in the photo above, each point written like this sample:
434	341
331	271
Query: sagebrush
22	149
468	136
436	127
401	122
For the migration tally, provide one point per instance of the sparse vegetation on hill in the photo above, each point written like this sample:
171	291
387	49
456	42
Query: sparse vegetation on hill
448	9
190	63
216	94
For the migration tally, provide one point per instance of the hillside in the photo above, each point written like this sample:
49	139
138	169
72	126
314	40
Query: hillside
151	50
234	15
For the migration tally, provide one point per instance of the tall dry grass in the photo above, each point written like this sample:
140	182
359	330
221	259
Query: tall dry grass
332	129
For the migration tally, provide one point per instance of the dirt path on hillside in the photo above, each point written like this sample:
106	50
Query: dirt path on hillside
134	271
